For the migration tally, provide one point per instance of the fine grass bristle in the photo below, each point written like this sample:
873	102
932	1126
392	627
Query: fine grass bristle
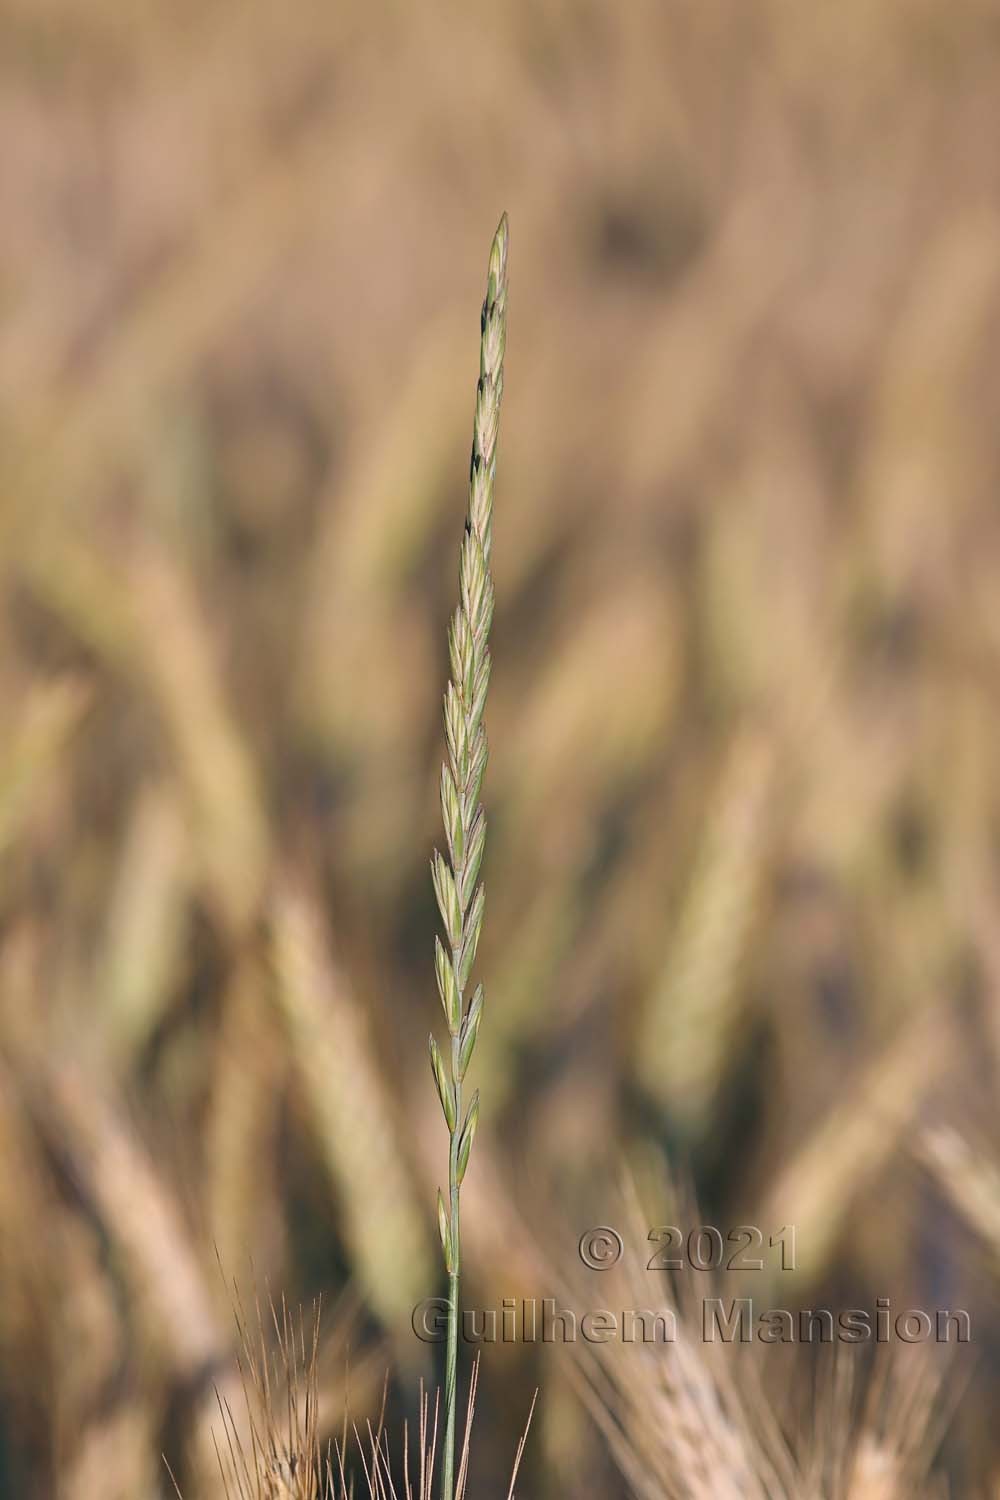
274	1454
271	1445
417	1480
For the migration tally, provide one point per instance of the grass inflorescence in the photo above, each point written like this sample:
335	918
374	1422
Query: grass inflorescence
460	893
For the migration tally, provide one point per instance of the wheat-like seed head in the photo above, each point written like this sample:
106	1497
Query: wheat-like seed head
459	897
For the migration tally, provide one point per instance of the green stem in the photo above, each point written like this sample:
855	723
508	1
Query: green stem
451	1353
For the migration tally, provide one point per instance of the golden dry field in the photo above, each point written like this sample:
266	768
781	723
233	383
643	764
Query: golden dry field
741	951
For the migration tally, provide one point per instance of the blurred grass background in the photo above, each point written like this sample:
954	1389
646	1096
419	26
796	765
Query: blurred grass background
744	821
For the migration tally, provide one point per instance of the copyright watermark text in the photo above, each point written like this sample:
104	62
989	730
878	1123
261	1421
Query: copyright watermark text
736	1320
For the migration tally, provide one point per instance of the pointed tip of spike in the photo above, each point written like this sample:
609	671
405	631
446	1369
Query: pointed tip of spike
498	257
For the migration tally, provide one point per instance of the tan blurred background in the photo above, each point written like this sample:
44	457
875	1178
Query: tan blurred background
745	824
